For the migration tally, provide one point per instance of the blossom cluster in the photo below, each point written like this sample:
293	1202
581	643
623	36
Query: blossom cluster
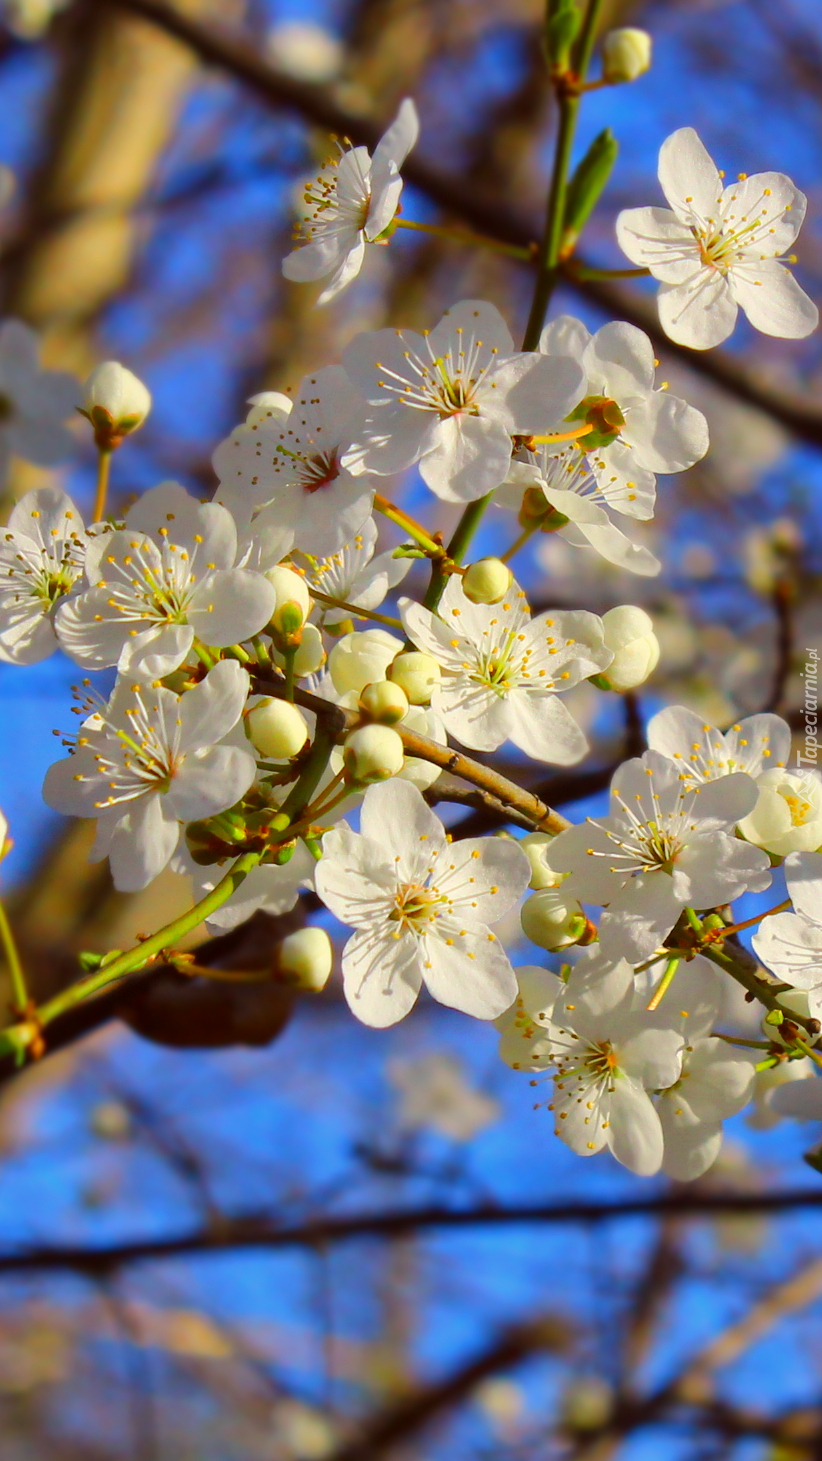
258	741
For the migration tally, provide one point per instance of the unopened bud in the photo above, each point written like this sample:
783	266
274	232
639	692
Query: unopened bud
115	402
626	54
384	702
372	753
535	846
304	959
276	728
418	674
361	658
487	581
629	633
293	600
309	655
551	920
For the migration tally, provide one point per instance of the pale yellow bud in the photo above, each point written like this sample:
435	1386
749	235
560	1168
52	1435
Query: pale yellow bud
626	54
629	633
293	599
384	702
487	581
276	728
372	753
116	402
309	655
551	920
417	673
305	958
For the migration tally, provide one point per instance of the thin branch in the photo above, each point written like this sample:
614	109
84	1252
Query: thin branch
253	1232
488	215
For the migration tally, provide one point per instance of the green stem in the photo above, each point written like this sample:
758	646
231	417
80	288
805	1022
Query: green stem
136	958
355	611
310	776
261	651
103	469
517	544
587	271
402	520
465	236
548	270
569	103
18	978
289	655
754	985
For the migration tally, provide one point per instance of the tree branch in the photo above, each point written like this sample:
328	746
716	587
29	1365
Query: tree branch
253	1232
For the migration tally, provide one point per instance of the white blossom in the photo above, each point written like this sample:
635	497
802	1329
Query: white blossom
148	761
502	671
452	398
42	552
354	574
282	473
164	579
716	1082
34	403
788	813
719	249
665	844
421	909
705	753
639	429
349	204
608	1055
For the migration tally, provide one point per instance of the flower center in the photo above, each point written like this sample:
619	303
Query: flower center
415	907
800	807
319	471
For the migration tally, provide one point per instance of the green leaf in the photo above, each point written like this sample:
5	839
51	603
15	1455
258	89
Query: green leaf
587	185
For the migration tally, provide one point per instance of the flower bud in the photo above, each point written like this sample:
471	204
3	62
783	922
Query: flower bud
304	959
361	658
626	54
551	920
276	728
535	846
788	813
309	655
384	702
418	674
293	600
115	402
629	633
487	581
372	753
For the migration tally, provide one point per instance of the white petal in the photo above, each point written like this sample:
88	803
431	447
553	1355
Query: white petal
689	176
543	728
773	301
667	434
803	874
212	708
701	313
210	781
142	843
473	974
231	605
381	977
635	1133
655	239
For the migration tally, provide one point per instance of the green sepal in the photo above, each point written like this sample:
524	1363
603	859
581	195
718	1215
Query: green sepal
586	187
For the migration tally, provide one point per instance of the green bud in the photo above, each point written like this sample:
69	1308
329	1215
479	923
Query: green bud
586	186
774	1017
284	854
561	30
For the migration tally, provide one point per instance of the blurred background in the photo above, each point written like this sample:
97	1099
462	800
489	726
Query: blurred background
239	1227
